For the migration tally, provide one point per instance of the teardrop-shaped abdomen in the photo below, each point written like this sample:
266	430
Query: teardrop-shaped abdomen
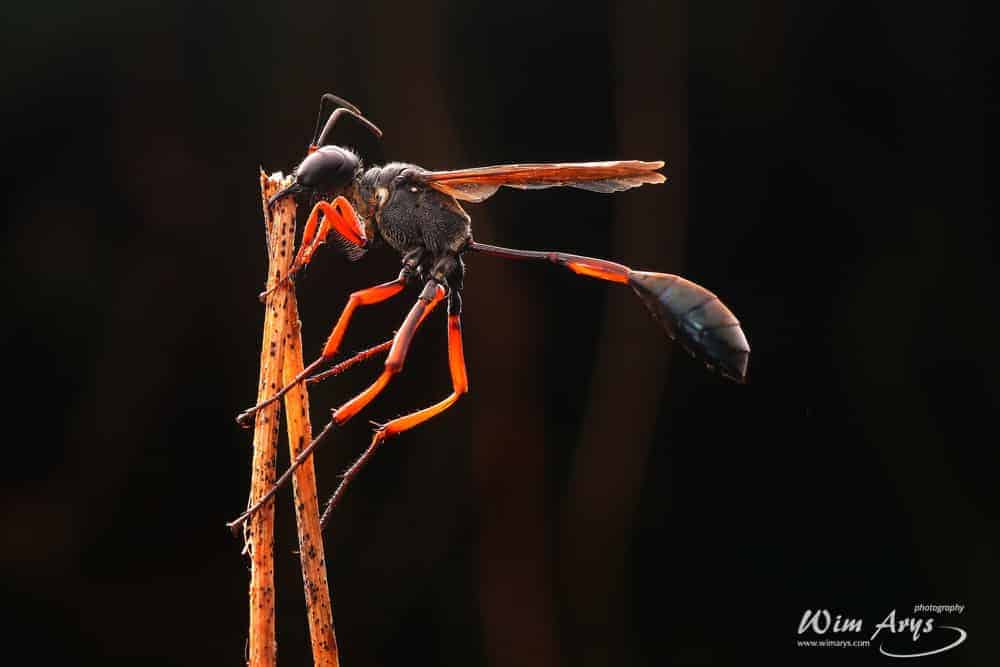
697	319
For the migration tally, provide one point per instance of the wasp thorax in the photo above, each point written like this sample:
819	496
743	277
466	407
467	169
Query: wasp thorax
328	167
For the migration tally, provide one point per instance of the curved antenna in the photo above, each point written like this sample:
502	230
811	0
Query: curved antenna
337	102
336	115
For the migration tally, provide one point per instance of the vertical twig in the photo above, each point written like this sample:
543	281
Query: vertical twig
281	360
318	608
259	531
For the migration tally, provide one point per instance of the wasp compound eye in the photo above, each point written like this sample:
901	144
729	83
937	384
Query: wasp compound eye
327	168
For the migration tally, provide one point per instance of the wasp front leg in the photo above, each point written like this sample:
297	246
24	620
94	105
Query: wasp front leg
338	217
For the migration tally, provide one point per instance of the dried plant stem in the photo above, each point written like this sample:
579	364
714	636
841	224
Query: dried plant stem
281	360
318	607
259	531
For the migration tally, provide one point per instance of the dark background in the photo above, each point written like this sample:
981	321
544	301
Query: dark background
598	499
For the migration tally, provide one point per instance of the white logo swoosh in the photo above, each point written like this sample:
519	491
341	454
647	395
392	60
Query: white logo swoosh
962	634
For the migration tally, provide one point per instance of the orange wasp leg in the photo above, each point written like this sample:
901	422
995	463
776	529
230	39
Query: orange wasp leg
585	266
460	385
429	298
338	215
365	297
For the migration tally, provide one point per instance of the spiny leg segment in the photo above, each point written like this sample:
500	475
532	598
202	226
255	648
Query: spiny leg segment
430	297
364	355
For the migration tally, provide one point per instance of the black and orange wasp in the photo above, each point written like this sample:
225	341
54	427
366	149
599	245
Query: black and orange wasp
419	214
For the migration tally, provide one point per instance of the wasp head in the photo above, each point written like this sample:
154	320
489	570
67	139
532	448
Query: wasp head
326	173
328	170
331	173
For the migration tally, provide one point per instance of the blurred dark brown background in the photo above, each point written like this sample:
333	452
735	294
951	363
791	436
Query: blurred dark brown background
598	499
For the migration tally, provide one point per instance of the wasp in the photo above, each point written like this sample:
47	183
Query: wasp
419	214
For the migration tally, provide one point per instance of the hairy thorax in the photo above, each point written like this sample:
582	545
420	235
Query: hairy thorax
408	214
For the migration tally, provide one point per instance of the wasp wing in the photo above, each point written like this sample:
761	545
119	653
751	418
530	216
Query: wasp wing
475	185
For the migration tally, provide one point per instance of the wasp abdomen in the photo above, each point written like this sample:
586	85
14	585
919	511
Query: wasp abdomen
697	319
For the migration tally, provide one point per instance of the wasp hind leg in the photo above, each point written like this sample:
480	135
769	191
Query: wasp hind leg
459	385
